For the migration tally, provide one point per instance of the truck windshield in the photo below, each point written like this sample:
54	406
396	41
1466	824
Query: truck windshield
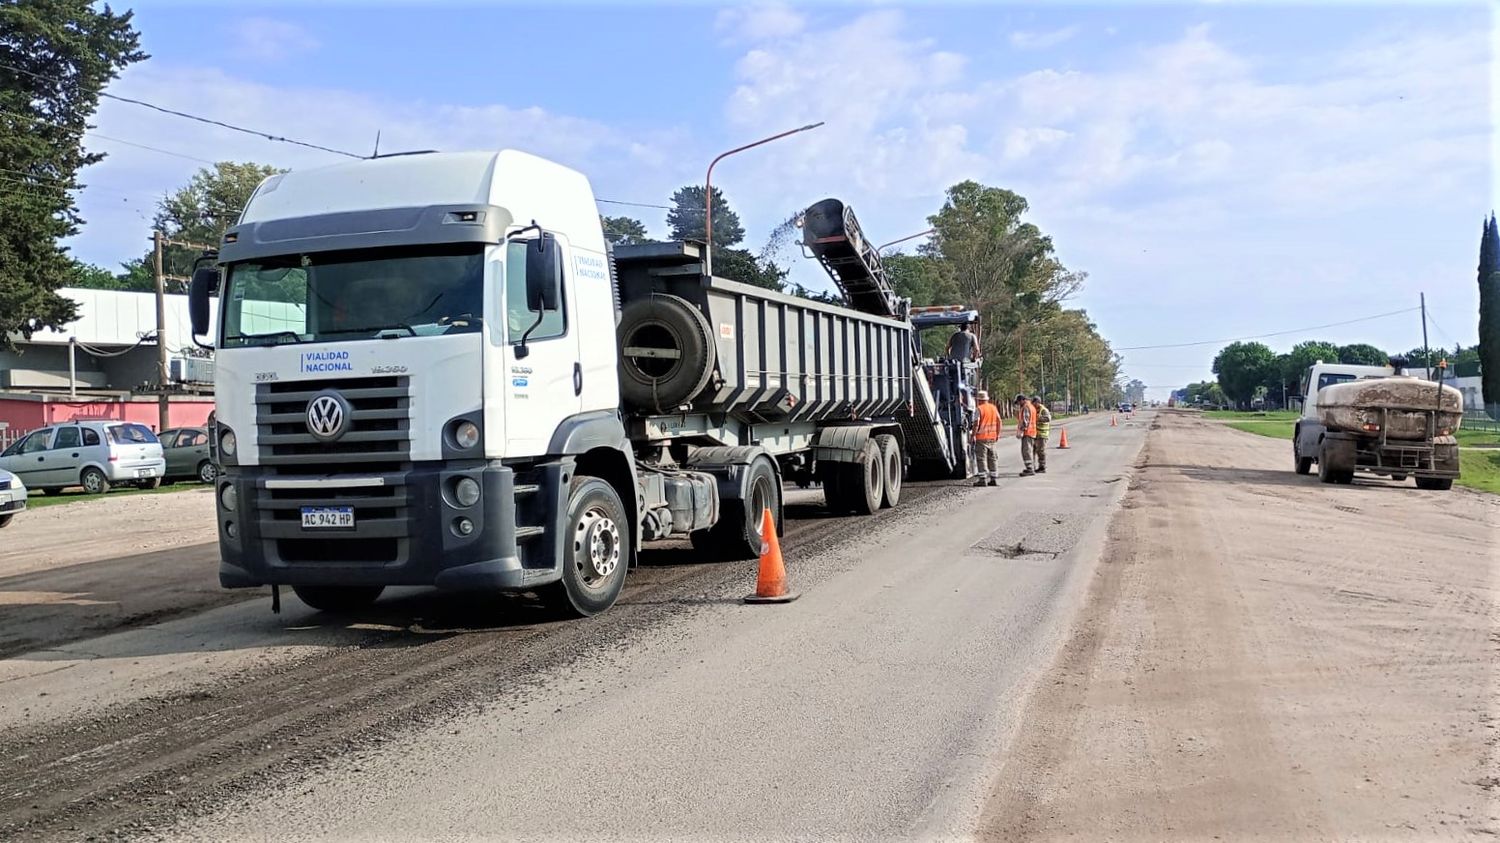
406	291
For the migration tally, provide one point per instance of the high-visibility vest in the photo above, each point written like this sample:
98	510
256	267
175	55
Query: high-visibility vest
1026	418
987	429
1043	422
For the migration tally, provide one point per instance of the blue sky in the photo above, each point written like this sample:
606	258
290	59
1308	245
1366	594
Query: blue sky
1218	170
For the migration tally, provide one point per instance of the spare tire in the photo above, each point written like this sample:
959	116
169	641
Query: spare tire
667	352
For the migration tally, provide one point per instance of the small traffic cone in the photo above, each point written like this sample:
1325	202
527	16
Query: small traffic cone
1112	421
770	583
1062	442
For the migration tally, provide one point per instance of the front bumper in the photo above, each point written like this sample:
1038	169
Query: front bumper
10	504
405	528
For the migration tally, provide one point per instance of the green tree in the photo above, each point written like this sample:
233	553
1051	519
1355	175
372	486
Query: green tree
201	211
686	221
1242	367
740	265
91	277
1362	354
55	58
1295	363
1489	317
623	231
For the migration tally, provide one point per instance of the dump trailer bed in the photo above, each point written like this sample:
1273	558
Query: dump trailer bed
692	343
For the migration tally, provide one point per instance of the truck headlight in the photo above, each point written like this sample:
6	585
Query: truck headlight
228	443
466	491
466	434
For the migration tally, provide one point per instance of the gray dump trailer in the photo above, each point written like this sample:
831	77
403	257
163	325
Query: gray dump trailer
755	386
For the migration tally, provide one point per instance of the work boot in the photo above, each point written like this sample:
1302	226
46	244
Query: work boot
981	482
1041	471
1027	473
994	482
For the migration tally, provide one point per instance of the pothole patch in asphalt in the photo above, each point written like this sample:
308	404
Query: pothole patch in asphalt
1030	535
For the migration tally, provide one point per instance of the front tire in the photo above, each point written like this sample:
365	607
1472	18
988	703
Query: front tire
1303	464
596	551
337	599
94	482
5	519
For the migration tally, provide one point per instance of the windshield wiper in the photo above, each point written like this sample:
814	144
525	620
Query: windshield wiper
279	336
393	326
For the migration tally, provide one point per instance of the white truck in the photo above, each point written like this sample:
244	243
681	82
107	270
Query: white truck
1371	419
431	370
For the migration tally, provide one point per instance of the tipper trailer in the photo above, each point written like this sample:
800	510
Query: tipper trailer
431	370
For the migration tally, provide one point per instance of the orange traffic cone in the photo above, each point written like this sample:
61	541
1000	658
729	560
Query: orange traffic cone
1112	422
770	583
1062	442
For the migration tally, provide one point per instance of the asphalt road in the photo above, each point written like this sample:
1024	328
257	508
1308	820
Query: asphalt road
874	705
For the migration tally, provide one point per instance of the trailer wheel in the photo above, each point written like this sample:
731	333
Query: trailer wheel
737	533
864	480
1435	484
596	551
890	458
336	599
667	352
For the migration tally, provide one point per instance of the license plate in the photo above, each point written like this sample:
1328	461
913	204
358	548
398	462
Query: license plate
143	472
327	517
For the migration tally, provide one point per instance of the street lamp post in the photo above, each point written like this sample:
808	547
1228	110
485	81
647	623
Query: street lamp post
708	187
885	246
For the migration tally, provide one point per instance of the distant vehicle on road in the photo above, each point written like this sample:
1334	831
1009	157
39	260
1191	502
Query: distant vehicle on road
12	496
187	455
96	455
1367	418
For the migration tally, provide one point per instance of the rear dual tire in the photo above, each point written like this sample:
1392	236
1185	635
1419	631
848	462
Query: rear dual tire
860	486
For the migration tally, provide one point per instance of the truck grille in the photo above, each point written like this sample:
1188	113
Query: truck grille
377	435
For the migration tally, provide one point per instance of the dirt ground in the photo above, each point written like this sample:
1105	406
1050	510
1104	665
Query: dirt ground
88	531
1262	656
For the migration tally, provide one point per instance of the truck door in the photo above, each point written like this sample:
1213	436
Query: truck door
543	387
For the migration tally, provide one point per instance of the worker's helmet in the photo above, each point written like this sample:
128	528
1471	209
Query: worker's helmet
982	395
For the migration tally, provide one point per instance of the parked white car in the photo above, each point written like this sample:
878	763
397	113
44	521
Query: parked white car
93	454
12	496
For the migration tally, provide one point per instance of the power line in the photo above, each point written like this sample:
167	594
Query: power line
632	204
210	121
150	148
1272	334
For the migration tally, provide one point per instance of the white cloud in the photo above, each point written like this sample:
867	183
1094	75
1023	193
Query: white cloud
270	39
760	23
1030	40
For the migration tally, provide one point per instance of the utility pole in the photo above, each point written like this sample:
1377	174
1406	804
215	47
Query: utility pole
162	375
1426	352
73	368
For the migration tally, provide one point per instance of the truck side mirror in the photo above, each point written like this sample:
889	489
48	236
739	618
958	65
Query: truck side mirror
543	274
205	282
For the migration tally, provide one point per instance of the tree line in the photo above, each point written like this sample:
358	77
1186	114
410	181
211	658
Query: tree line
1248	370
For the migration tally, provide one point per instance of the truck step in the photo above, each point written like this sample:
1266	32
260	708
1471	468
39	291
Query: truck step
527	489
523	533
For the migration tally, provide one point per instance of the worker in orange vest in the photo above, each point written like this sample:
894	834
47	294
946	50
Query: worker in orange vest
1026	432
987	440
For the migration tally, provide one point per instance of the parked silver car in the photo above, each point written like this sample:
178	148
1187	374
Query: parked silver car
12	496
93	454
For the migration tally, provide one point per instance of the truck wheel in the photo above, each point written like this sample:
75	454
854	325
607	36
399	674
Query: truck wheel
1435	484
667	352
890	458
596	550
1303	464
737	533
94	482
338	599
864	480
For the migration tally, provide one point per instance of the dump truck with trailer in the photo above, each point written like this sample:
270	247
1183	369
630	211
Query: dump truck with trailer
431	370
1370	419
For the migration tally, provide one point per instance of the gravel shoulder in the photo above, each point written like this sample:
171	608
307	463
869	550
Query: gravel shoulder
1263	656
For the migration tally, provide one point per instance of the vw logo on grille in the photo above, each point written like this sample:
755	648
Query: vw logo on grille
327	415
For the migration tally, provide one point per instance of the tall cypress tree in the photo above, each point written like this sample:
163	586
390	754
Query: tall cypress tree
1489	316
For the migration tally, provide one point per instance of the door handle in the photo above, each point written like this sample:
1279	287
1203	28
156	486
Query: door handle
577	378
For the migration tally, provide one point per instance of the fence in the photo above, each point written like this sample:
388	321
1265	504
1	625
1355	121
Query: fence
1480	420
11	435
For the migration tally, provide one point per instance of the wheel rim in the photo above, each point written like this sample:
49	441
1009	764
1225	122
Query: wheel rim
207	473
91	483
893	472
760	501
596	546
